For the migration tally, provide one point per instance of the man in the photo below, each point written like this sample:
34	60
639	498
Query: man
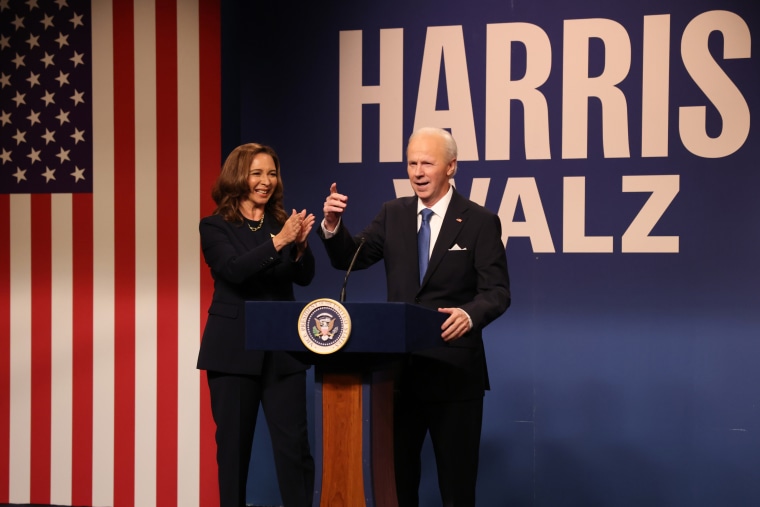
440	391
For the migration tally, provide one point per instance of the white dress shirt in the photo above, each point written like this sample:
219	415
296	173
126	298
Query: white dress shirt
436	219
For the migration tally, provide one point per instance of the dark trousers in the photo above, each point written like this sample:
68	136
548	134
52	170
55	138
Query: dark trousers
234	404
454	428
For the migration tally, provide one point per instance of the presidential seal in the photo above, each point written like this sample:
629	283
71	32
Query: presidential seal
324	326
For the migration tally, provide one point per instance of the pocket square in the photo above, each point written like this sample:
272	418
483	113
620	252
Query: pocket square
456	248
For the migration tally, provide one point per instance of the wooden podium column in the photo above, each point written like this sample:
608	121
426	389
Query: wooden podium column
342	468
356	453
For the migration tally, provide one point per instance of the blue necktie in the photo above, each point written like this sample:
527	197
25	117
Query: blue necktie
423	241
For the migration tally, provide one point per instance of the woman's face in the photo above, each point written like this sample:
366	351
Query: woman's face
262	179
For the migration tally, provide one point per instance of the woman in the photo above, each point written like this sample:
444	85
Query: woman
255	252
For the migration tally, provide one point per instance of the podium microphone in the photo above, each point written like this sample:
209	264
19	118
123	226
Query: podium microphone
348	271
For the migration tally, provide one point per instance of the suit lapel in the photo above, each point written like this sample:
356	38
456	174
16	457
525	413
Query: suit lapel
408	226
453	222
243	234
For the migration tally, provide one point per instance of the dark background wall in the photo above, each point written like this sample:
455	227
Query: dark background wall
618	378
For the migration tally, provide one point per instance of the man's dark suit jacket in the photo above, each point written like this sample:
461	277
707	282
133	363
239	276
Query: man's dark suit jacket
246	266
467	270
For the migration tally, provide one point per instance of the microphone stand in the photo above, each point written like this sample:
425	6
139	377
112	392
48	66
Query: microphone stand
350	267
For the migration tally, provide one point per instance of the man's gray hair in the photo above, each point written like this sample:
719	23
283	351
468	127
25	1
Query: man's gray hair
451	144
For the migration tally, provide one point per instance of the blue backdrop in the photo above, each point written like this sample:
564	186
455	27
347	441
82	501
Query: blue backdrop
615	142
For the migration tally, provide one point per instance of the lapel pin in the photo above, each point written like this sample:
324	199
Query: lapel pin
459	220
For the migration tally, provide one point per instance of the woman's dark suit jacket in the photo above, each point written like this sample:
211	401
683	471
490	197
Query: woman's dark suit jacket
245	266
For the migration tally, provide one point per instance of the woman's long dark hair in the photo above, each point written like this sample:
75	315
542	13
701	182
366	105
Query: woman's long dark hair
231	187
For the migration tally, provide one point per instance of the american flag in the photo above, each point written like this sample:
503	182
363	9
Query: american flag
110	123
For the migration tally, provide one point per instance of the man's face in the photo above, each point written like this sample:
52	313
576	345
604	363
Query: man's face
428	167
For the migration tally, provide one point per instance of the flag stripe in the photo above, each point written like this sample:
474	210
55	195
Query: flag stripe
82	353
41	330
5	346
210	164
61	372
167	250
20	348
145	105
188	190
104	255
124	255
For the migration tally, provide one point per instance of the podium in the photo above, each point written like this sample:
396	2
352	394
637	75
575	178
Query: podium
354	391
